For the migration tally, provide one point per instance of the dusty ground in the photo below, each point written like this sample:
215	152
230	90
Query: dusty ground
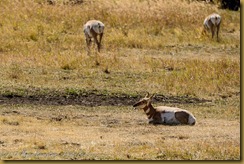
75	132
91	99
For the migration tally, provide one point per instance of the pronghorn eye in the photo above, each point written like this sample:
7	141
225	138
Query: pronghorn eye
142	102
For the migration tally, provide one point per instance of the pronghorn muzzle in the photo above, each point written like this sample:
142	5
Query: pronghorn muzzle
139	104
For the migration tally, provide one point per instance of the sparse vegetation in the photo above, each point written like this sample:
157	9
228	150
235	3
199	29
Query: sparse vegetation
44	46
152	46
112	132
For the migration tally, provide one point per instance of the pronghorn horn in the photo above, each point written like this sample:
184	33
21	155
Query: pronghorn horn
152	96
150	99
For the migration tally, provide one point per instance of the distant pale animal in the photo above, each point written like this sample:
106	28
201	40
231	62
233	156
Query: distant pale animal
163	114
212	23
92	29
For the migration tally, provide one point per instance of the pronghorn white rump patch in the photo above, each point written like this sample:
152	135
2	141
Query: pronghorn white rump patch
214	18
191	120
95	25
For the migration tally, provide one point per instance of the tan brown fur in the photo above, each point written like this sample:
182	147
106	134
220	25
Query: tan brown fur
153	114
182	116
163	114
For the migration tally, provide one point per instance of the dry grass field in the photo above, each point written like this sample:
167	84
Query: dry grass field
56	102
116	133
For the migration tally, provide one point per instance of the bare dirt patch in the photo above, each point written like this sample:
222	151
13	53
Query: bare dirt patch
92	99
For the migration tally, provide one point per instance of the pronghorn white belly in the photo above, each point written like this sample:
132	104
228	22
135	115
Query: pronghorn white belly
169	117
215	19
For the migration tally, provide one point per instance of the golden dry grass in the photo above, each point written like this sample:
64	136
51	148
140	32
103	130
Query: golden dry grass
43	46
150	46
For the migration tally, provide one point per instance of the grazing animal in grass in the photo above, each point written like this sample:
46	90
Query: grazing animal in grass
163	114
211	23
92	29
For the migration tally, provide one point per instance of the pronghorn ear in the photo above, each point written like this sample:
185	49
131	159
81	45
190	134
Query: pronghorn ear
147	95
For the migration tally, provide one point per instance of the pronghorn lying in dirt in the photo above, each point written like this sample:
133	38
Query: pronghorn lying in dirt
92	29
163	114
210	23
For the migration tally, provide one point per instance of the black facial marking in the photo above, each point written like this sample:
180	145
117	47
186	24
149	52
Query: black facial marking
139	103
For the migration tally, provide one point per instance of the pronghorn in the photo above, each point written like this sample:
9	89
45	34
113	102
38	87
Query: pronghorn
163	114
92	29
212	22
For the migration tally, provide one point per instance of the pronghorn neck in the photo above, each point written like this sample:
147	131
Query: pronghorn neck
149	110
